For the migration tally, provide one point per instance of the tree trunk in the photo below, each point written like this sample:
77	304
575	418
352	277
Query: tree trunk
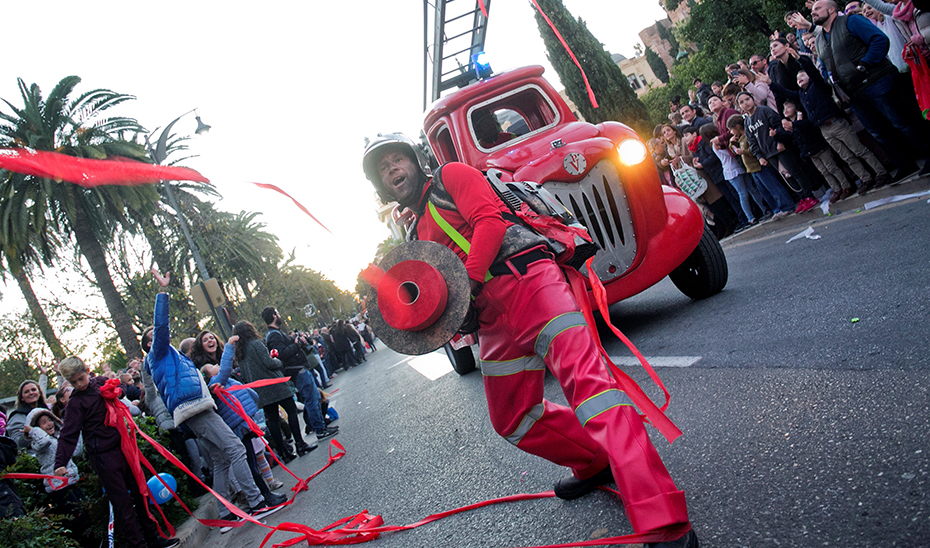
244	286
156	242
38	314
97	260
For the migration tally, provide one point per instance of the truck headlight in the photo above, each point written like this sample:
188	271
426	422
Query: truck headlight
631	151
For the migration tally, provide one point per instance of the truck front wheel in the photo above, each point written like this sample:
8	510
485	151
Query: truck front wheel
704	273
463	360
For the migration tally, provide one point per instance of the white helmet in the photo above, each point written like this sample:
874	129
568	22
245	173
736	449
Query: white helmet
377	147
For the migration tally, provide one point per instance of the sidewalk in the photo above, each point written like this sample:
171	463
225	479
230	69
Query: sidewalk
856	204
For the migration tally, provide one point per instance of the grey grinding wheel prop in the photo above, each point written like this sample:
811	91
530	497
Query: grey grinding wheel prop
459	296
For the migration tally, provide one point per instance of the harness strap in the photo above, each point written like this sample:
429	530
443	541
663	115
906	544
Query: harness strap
452	233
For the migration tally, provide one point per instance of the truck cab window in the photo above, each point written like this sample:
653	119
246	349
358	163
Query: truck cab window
509	117
445	147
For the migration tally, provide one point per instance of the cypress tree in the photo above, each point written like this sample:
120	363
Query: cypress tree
616	99
657	65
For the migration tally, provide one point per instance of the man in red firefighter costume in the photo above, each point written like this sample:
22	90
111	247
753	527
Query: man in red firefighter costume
528	320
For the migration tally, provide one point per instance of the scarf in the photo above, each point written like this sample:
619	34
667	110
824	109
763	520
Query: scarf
694	144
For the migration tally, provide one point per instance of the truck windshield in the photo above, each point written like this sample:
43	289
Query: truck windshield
509	117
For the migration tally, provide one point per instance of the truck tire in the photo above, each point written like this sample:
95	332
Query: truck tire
704	273
463	360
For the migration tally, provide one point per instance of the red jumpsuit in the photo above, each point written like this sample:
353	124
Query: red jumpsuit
529	322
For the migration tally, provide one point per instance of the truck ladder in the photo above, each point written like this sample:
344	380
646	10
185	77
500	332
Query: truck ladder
459	29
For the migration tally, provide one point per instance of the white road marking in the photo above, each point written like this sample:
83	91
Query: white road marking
658	361
405	360
432	365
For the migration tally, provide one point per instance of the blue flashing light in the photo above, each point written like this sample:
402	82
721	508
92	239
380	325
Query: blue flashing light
482	64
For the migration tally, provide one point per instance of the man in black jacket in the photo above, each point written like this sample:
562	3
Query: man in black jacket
291	354
854	53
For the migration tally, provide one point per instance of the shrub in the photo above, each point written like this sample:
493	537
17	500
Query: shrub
37	529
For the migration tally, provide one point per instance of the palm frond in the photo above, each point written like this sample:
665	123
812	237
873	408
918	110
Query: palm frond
109	126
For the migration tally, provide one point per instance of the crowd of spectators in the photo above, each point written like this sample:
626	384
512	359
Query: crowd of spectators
178	388
849	82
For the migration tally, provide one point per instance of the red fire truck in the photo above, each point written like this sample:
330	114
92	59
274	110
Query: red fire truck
515	126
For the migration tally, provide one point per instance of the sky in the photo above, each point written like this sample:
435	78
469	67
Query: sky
291	90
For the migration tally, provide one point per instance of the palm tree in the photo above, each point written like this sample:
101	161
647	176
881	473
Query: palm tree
236	248
90	215
25	241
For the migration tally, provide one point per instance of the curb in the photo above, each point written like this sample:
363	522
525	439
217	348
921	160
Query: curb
910	185
192	533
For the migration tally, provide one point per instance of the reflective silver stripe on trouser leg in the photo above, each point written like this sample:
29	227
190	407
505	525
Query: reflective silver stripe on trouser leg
528	421
554	327
512	367
599	403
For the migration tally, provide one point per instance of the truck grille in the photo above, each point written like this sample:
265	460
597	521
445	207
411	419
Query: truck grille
599	202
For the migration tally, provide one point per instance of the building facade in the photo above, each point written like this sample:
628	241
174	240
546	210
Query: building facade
638	73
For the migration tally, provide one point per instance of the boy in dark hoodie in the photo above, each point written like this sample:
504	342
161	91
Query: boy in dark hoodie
808	138
762	125
86	416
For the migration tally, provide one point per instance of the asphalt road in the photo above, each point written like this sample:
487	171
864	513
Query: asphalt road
801	427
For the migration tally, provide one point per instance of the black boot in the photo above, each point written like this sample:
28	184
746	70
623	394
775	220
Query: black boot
688	540
570	487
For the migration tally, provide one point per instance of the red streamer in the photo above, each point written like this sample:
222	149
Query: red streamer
302	208
56	482
224	394
118	417
361	527
570	54
484	9
91	173
651	414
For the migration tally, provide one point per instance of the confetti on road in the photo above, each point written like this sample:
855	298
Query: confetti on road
891	199
808	233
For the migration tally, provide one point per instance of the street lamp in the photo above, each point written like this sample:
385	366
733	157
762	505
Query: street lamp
159	154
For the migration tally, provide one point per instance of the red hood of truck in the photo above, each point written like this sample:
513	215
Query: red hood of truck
539	147
536	160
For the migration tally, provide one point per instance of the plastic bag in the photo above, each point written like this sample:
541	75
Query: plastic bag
688	181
